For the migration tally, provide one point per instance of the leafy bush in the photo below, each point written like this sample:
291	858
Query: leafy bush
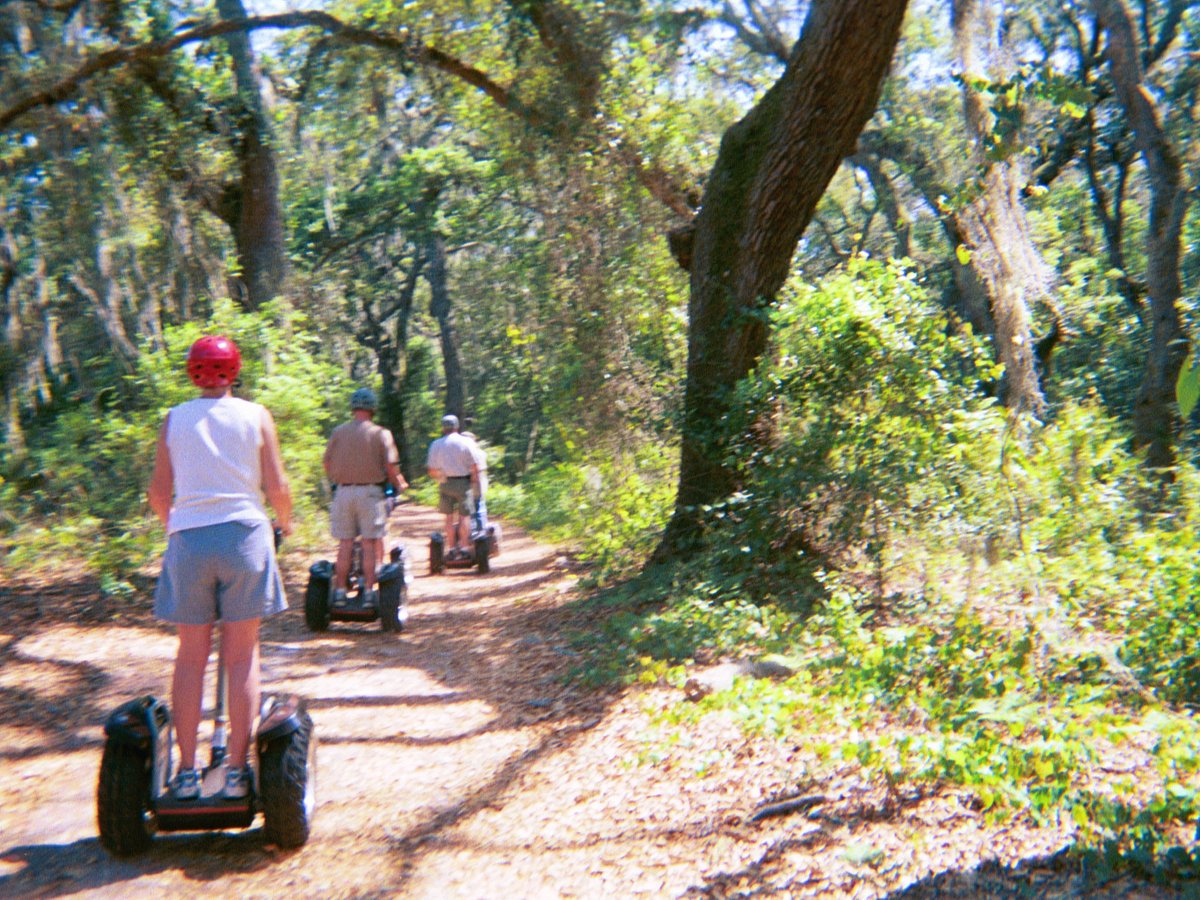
85	480
610	508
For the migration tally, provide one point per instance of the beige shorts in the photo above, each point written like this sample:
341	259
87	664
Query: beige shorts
358	509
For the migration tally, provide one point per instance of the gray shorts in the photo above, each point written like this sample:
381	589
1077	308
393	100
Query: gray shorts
358	509
455	496
223	572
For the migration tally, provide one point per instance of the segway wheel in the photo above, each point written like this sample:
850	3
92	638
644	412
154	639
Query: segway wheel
437	554
316	596
127	824
287	779
482	551
392	596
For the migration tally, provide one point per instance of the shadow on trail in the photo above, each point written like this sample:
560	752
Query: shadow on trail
498	639
1059	876
60	870
52	706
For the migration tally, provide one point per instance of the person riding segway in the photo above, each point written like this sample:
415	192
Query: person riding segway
363	465
457	463
216	456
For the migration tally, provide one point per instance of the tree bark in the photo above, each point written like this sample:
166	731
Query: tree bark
393	367
772	168
11	345
253	210
1004	265
1155	419
441	309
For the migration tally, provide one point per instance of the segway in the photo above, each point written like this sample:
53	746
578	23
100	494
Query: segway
485	543
391	607
133	798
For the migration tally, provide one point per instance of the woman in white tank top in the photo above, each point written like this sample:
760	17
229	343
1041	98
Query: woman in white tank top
217	456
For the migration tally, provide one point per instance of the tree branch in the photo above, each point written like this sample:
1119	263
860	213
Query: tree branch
399	44
655	180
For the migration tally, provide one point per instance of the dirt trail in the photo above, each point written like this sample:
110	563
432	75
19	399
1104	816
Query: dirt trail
454	762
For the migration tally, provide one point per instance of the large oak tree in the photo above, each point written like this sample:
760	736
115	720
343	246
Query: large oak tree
772	168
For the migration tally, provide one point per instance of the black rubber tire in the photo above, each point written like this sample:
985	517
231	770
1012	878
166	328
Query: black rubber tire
126	822
287	779
437	555
482	553
316	603
393	593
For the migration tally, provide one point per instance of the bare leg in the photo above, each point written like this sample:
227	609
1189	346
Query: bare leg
341	568
187	688
464	532
369	562
240	640
451	528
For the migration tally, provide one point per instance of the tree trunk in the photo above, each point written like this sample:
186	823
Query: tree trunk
393	366
11	340
442	310
1155	419
772	168
1003	264
252	208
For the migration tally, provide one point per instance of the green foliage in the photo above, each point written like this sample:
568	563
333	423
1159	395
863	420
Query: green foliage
610	508
82	486
1187	386
870	401
639	633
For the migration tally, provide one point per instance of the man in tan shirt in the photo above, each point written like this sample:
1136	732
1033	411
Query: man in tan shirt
359	459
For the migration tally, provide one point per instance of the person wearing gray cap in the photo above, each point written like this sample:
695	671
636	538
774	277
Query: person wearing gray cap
453	462
360	459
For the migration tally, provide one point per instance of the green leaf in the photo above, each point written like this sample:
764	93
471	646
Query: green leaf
963	254
1187	387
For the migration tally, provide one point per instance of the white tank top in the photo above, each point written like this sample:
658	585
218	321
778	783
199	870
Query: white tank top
214	444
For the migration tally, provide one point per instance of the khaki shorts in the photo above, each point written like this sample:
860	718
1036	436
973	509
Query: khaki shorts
358	509
455	497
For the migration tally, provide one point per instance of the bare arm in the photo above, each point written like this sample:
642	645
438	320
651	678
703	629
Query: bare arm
275	482
162	479
327	458
394	476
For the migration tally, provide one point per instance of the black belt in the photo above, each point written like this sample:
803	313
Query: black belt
358	484
458	477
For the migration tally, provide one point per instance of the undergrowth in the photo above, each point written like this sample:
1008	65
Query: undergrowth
967	601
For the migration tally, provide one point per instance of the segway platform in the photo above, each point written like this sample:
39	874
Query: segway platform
208	812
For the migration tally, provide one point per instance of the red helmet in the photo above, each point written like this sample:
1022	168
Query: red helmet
213	361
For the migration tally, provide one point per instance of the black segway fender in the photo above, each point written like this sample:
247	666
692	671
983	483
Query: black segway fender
138	723
316	596
393	591
437	553
482	551
283	716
